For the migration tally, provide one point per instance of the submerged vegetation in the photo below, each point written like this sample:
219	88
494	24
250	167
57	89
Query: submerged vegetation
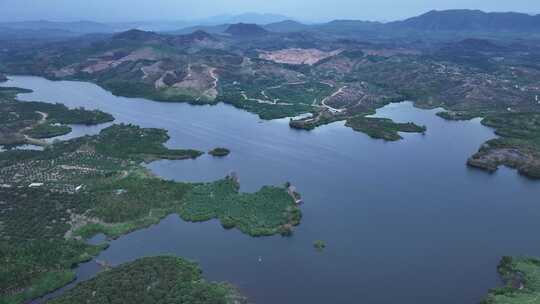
159	280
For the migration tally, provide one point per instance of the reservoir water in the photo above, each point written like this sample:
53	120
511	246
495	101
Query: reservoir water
404	222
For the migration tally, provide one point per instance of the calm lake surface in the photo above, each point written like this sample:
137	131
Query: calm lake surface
404	222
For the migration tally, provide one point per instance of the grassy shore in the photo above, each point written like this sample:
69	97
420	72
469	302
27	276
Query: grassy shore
522	282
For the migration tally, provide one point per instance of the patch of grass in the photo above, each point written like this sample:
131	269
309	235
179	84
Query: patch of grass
460	115
515	125
304	93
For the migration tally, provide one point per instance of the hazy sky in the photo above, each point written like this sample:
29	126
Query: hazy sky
307	10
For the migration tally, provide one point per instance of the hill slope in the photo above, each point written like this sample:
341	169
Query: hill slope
470	20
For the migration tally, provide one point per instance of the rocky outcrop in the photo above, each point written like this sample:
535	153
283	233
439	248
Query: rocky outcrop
490	157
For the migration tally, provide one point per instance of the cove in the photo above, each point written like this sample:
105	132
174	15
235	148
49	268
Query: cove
404	222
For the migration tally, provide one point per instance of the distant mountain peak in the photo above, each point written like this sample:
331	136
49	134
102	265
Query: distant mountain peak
471	20
136	34
245	30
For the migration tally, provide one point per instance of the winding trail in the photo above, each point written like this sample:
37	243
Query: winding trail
35	141
215	77
332	109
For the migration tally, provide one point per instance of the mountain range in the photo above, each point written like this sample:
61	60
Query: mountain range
447	21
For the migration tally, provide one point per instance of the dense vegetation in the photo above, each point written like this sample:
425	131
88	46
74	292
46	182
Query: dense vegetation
32	245
383	128
51	200
522	277
156	280
269	211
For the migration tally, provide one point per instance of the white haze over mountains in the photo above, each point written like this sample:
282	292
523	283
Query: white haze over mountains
189	10
85	27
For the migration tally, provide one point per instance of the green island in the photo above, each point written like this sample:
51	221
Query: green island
382	127
52	200
319	245
219	152
157	280
29	122
522	282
